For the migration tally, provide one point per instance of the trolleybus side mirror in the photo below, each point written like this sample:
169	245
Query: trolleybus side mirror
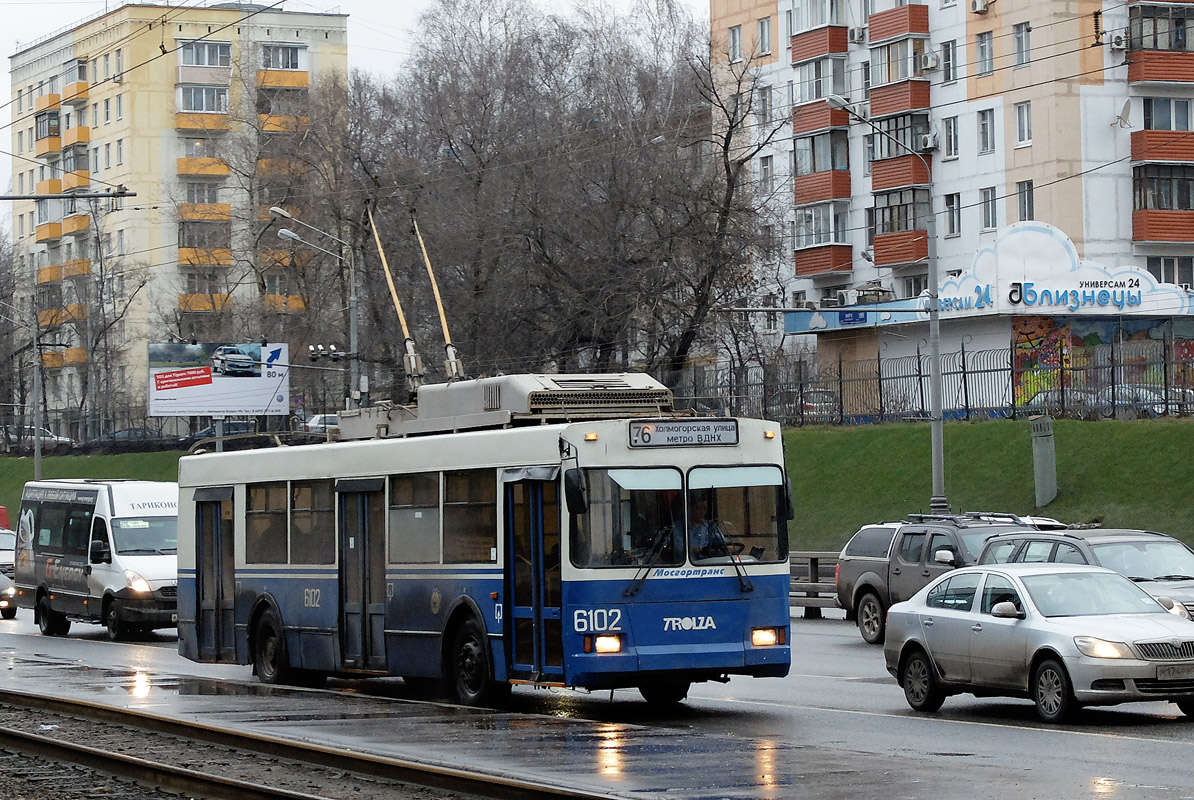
789	503
574	492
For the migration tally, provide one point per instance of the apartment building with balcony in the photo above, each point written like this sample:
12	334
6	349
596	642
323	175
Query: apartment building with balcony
153	98
1052	143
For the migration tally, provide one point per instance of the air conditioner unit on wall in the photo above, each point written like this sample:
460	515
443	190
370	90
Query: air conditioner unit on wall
978	6
847	297
1118	42
829	302
858	35
928	61
928	142
118	78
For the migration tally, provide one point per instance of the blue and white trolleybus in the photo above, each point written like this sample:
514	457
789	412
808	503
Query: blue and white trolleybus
554	530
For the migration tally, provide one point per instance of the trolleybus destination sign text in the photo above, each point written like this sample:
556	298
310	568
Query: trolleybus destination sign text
678	433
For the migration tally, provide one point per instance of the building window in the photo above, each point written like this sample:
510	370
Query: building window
47	125
1025	201
202	282
984	53
210	99
895	212
204	235
107	111
198	148
1023	124
20	95
201	192
74	159
1158	27
119	106
1166	114
1179	270
95	115
822	152
826	223
905	129
95	159
280	57
206	54
765	36
953	215
119	243
120	151
896	61
21	183
107	66
108	156
20	141
763	103
766	171
736	43
1164	187
914	285
989	201
20	225
986	130
119	61
815	13
821	78
949	128
1022	36
949	61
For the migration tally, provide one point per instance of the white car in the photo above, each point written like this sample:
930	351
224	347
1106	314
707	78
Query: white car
323	423
8	551
1064	635
230	359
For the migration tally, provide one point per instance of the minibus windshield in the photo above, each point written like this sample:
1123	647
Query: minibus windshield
145	536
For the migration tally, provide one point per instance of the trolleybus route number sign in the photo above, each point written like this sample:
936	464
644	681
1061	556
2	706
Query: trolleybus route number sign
680	433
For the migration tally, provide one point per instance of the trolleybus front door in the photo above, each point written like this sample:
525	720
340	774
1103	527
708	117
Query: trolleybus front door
215	576
362	573
534	639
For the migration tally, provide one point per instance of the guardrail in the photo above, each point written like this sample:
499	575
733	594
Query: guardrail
812	581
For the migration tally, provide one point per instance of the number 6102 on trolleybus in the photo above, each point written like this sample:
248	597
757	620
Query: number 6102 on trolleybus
555	530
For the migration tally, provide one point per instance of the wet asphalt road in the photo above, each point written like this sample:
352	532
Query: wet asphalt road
839	707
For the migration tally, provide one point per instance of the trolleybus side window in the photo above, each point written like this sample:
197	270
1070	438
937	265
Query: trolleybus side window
265	523
313	522
747	505
414	518
630	519
470	516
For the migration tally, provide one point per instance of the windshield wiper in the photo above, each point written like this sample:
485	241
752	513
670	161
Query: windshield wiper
1139	579
1177	577
648	562
141	551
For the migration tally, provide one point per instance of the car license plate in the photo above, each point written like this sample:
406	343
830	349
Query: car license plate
1172	672
174	618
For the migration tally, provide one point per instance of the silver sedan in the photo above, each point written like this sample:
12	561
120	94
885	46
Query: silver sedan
1063	635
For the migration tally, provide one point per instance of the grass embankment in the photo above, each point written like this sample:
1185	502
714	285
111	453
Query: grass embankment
143	466
1123	474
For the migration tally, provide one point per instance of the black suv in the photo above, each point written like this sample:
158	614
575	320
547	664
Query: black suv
889	562
1162	565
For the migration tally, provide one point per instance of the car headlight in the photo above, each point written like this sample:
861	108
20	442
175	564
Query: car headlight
1181	610
1101	648
10	592
135	582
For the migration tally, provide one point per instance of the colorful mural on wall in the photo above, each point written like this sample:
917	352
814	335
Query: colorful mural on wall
1076	352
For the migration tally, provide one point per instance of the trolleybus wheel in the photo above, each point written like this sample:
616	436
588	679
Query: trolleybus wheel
117	629
270	659
665	694
471	675
50	622
9	613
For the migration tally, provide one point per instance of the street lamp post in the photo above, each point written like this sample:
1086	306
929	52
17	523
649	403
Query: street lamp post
354	362
938	503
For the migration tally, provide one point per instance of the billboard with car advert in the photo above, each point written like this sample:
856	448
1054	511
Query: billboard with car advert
218	378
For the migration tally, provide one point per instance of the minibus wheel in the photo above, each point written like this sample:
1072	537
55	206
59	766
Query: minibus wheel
50	622
117	629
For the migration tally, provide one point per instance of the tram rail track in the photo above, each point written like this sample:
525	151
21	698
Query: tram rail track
197	760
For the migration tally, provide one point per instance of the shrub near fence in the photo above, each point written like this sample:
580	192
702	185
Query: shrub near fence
1119	380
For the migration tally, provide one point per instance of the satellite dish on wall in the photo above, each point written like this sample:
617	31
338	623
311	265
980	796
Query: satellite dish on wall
1125	113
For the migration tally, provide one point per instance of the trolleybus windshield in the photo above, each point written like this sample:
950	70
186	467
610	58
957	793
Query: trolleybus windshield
741	515
145	535
630	518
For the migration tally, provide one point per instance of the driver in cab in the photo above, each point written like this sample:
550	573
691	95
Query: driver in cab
705	539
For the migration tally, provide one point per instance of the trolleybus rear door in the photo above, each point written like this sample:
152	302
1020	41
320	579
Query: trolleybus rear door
534	638
362	573
216	577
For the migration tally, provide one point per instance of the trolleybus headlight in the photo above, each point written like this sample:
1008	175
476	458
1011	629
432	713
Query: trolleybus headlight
764	637
136	582
607	644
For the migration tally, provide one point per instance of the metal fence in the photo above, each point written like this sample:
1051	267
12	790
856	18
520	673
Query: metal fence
1129	379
